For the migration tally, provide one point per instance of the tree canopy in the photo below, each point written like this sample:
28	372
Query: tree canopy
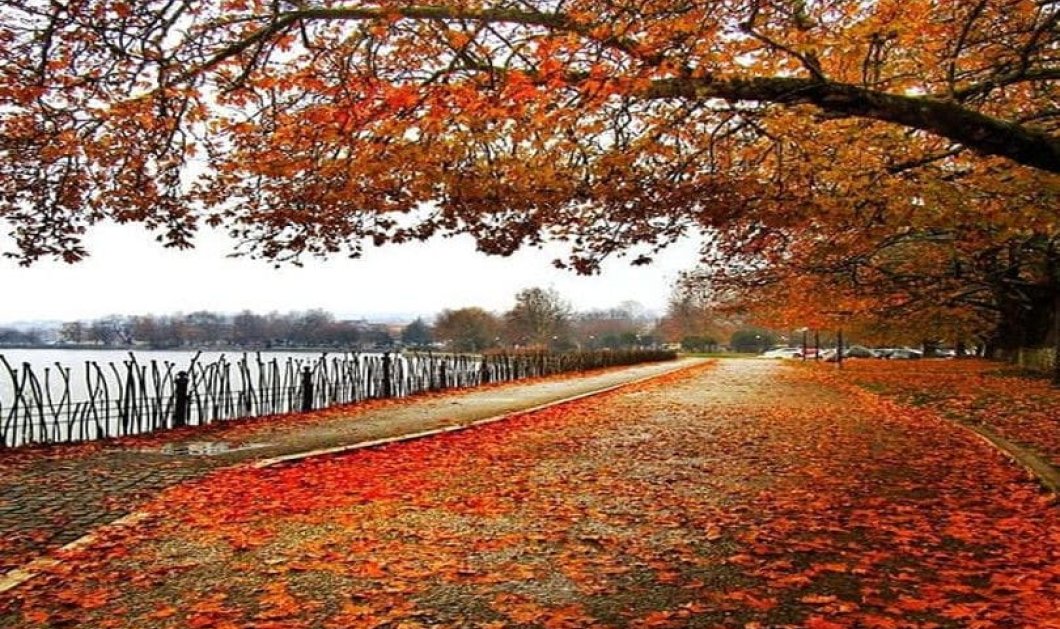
315	126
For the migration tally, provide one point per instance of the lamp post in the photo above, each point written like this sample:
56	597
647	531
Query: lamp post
839	335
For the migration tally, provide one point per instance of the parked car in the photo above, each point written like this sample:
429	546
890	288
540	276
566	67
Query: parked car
782	352
859	351
854	351
904	353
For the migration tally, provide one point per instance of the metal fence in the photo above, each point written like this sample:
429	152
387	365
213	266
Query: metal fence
130	397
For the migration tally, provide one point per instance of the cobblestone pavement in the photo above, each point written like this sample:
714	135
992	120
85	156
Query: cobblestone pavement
51	500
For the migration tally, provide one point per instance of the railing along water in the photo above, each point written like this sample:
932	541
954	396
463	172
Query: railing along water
131	397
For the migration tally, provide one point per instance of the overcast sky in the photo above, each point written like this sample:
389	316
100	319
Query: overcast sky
129	273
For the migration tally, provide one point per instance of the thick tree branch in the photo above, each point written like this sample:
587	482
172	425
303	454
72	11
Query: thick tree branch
979	132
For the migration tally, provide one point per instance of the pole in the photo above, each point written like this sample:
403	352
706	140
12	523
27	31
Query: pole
180	401
839	349
307	390
804	345
388	376
817	345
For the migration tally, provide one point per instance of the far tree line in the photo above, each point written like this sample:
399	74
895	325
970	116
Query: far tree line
540	319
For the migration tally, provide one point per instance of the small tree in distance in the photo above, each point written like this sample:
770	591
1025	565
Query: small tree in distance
699	344
752	340
467	329
417	334
540	318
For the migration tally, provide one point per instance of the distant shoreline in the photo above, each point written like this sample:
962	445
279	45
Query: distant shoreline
218	348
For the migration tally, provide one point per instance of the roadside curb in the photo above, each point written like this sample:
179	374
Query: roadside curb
1046	474
18	576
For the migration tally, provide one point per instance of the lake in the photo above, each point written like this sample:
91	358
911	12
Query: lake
57	395
60	395
41	360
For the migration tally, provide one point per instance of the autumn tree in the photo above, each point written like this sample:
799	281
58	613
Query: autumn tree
964	283
612	125
540	318
776	129
467	329
690	314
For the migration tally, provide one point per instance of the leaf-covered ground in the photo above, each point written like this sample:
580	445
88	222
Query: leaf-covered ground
745	495
50	496
1020	409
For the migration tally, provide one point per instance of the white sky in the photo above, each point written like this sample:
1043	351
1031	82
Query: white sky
129	273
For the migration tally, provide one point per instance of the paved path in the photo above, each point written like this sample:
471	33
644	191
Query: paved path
50	501
740	495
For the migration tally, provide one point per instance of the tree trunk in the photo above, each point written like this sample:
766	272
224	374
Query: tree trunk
1054	280
1056	332
1025	321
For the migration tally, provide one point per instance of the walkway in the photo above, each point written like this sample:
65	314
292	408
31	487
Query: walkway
741	494
50	500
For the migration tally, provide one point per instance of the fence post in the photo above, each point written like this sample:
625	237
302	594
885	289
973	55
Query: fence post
307	389
485	378
839	349
388	371
180	401
432	382
442	379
